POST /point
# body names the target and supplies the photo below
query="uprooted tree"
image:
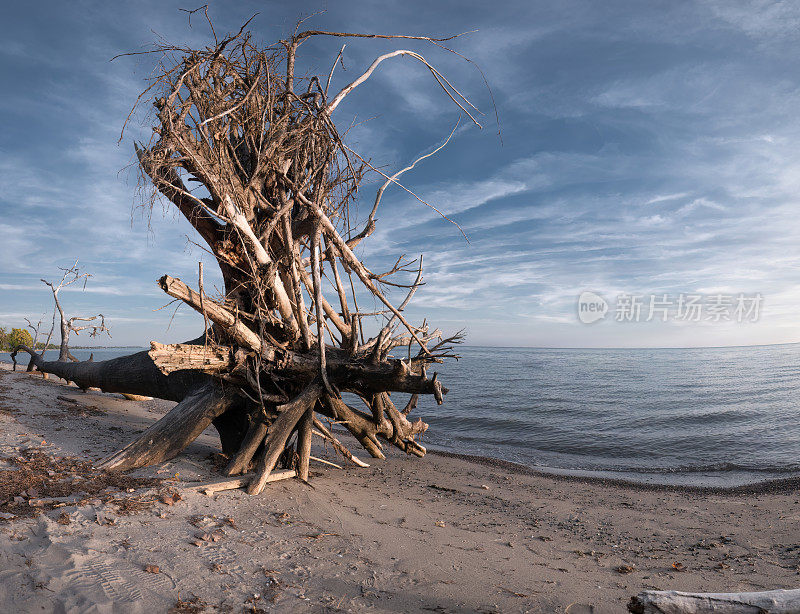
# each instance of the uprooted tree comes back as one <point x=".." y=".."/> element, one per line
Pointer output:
<point x="249" y="154"/>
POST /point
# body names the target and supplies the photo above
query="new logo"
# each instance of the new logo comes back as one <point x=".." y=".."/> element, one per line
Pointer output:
<point x="591" y="307"/>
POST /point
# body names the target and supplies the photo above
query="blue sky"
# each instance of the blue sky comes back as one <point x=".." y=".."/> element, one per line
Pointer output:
<point x="647" y="148"/>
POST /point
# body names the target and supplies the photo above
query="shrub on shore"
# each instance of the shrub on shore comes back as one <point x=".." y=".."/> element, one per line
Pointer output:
<point x="16" y="336"/>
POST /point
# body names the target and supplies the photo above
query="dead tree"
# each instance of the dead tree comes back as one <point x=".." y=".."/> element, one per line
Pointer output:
<point x="276" y="182"/>
<point x="35" y="331"/>
<point x="94" y="324"/>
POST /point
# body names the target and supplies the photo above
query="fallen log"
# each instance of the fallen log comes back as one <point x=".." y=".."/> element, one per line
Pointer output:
<point x="349" y="373"/>
<point x="189" y="357"/>
<point x="676" y="602"/>
<point x="133" y="374"/>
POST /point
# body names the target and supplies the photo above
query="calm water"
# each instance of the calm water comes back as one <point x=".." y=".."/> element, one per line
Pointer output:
<point x="703" y="416"/>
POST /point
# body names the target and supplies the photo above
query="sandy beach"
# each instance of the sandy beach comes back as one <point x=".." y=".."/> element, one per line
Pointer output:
<point x="438" y="534"/>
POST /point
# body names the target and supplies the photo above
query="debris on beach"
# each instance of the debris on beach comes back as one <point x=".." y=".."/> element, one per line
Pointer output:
<point x="37" y="482"/>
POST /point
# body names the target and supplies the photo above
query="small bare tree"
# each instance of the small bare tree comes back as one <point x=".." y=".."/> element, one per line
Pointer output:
<point x="35" y="331"/>
<point x="94" y="324"/>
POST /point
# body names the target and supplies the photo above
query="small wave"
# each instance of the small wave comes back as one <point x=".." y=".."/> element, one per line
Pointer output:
<point x="722" y="467"/>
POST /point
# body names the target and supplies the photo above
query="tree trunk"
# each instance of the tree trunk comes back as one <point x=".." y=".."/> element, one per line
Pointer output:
<point x="133" y="374"/>
<point x="304" y="443"/>
<point x="171" y="434"/>
<point x="232" y="426"/>
<point x="182" y="372"/>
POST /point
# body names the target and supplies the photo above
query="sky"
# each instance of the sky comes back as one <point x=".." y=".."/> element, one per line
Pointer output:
<point x="646" y="151"/>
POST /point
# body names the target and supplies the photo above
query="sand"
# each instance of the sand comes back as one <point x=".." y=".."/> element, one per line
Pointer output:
<point x="438" y="534"/>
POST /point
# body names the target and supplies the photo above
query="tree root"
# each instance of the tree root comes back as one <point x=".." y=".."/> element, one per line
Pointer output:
<point x="171" y="434"/>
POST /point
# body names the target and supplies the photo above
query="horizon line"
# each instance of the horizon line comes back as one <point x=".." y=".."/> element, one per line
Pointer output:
<point x="527" y="347"/>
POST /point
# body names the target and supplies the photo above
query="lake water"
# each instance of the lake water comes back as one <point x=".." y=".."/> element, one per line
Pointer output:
<point x="713" y="416"/>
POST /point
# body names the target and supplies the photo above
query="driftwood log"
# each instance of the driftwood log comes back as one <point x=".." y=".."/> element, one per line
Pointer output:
<point x="676" y="602"/>
<point x="249" y="153"/>
<point x="215" y="486"/>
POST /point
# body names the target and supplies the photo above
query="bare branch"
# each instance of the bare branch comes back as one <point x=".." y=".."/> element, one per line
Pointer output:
<point x="455" y="95"/>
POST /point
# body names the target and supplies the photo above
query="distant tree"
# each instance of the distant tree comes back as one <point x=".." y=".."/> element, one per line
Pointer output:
<point x="3" y="342"/>
<point x="18" y="337"/>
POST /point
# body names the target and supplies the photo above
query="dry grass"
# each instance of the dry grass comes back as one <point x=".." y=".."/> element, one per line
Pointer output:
<point x="37" y="481"/>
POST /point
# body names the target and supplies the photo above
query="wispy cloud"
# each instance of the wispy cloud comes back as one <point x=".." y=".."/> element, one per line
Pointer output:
<point x="646" y="148"/>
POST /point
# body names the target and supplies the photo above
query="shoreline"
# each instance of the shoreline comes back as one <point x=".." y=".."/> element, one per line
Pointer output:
<point x="768" y="486"/>
<point x="600" y="476"/>
<point x="447" y="532"/>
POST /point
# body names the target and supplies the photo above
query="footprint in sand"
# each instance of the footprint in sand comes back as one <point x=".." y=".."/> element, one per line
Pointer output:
<point x="77" y="577"/>
<point x="226" y="558"/>
<point x="118" y="581"/>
